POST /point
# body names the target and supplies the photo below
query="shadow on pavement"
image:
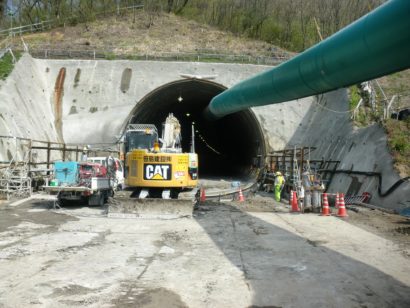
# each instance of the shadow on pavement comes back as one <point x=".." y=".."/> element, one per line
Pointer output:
<point x="286" y="270"/>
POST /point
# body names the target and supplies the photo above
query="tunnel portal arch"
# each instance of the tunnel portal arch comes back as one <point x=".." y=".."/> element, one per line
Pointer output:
<point x="232" y="146"/>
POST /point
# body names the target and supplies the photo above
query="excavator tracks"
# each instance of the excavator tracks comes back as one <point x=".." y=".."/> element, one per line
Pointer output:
<point x="124" y="206"/>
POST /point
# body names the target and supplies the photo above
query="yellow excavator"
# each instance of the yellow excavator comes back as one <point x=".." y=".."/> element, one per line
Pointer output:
<point x="160" y="180"/>
<point x="156" y="167"/>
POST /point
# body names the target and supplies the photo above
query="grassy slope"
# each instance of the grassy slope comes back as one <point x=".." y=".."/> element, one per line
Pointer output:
<point x="397" y="83"/>
<point x="168" y="33"/>
<point x="399" y="142"/>
<point x="7" y="65"/>
<point x="398" y="132"/>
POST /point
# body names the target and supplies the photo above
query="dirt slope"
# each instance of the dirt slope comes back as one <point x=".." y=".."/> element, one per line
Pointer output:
<point x="168" y="33"/>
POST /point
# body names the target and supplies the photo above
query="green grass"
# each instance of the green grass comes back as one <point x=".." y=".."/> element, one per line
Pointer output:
<point x="362" y="119"/>
<point x="365" y="115"/>
<point x="399" y="143"/>
<point x="354" y="97"/>
<point x="110" y="56"/>
<point x="7" y="65"/>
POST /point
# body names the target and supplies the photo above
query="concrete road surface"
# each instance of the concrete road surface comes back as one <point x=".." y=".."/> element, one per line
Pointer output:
<point x="223" y="257"/>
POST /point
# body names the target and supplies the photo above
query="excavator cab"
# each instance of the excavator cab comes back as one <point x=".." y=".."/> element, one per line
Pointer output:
<point x="138" y="137"/>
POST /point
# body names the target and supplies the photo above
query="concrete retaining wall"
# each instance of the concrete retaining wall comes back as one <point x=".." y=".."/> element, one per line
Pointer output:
<point x="25" y="102"/>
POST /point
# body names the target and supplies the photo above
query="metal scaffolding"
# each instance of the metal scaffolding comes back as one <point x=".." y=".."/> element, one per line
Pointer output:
<point x="14" y="179"/>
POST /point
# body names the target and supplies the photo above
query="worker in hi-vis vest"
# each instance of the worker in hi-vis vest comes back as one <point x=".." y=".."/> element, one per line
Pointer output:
<point x="279" y="183"/>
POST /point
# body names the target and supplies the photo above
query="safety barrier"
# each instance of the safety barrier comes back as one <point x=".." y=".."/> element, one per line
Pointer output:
<point x="350" y="200"/>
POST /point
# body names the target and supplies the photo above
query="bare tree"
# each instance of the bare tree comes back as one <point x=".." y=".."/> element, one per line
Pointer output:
<point x="152" y="8"/>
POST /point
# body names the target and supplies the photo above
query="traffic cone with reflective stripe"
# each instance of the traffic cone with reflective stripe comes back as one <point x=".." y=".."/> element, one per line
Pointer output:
<point x="202" y="198"/>
<point x="337" y="201"/>
<point x="342" y="209"/>
<point x="241" y="197"/>
<point x="291" y="198"/>
<point x="295" y="206"/>
<point x="325" y="208"/>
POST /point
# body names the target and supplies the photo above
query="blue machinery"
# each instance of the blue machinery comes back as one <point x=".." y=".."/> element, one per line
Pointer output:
<point x="375" y="45"/>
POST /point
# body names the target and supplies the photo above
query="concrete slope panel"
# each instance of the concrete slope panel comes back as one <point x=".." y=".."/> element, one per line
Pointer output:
<point x="25" y="107"/>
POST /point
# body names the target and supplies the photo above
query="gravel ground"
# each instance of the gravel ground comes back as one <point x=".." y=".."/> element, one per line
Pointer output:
<point x="389" y="226"/>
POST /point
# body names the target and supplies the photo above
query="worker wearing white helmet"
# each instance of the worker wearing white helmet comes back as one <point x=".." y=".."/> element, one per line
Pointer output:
<point x="279" y="183"/>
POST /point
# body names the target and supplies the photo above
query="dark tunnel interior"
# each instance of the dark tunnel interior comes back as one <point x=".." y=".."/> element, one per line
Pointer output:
<point x="228" y="147"/>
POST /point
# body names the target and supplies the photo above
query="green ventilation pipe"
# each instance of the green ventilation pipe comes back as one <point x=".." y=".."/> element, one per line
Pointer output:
<point x="375" y="45"/>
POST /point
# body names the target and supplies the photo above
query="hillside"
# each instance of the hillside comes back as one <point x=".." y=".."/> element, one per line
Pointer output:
<point x="148" y="35"/>
<point x="397" y="84"/>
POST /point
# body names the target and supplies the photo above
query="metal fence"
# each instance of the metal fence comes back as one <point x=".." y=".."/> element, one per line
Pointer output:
<point x="109" y="54"/>
<point x="41" y="154"/>
<point x="40" y="26"/>
<point x="48" y="24"/>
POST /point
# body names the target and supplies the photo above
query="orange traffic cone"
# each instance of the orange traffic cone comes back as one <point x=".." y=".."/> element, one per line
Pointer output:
<point x="291" y="198"/>
<point x="295" y="206"/>
<point x="337" y="201"/>
<point x="325" y="209"/>
<point x="202" y="198"/>
<point x="241" y="197"/>
<point x="342" y="209"/>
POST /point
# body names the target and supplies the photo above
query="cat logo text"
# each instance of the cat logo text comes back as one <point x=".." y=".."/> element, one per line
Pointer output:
<point x="160" y="172"/>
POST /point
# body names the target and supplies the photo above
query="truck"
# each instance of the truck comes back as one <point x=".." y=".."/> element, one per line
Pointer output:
<point x="80" y="181"/>
<point x="118" y="170"/>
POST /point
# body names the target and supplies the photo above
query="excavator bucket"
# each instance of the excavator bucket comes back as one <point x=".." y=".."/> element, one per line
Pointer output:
<point x="124" y="206"/>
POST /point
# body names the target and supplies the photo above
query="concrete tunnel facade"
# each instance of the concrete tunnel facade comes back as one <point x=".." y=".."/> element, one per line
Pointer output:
<point x="218" y="143"/>
<point x="90" y="102"/>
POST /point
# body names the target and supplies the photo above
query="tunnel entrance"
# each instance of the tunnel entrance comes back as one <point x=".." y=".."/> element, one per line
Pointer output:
<point x="228" y="147"/>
